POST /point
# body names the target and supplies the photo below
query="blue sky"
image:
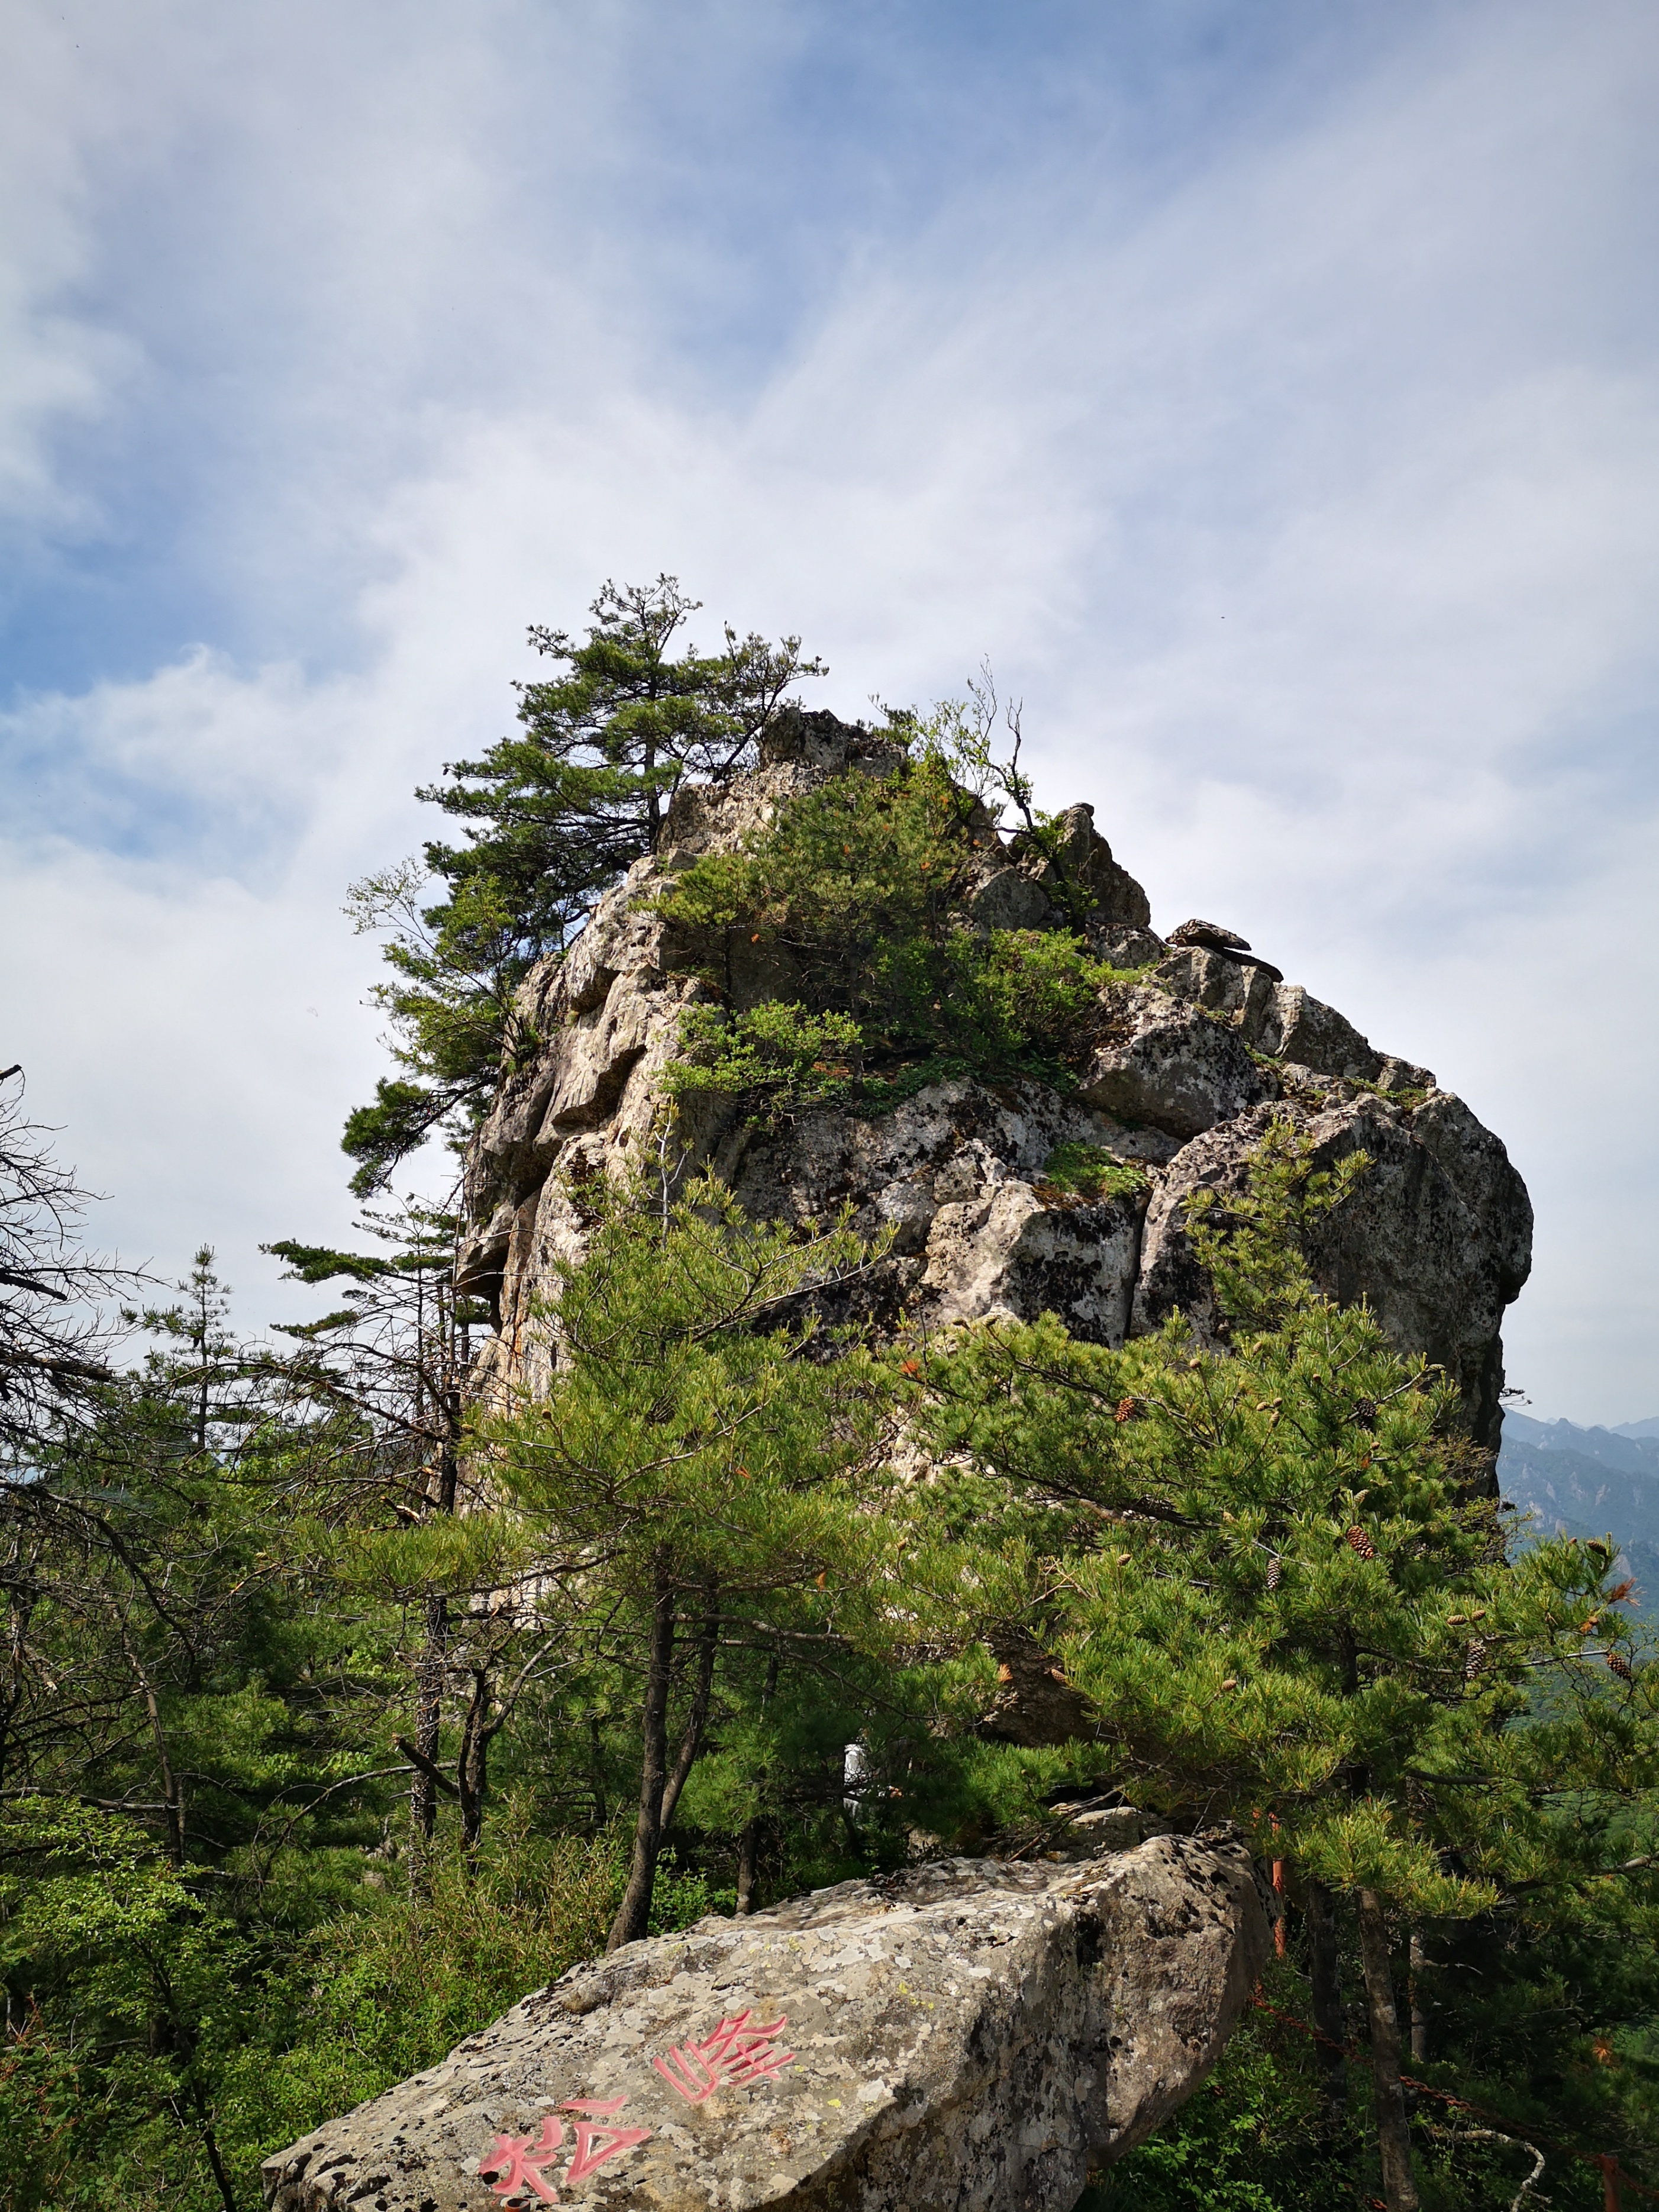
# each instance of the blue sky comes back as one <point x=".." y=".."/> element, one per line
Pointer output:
<point x="1272" y="391"/>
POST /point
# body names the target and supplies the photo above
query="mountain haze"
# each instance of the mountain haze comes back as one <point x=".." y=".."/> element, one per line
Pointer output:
<point x="1590" y="1482"/>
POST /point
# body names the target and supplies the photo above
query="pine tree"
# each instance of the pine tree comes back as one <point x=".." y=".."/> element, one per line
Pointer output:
<point x="551" y="818"/>
<point x="1275" y="1570"/>
<point x="390" y="1367"/>
<point x="696" y="1462"/>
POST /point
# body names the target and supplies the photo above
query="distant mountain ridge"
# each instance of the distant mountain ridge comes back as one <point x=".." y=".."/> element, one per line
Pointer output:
<point x="1591" y="1482"/>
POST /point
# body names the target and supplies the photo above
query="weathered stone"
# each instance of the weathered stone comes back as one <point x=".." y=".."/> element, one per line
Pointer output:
<point x="1210" y="933"/>
<point x="1299" y="1027"/>
<point x="1279" y="1019"/>
<point x="1084" y="860"/>
<point x="1121" y="946"/>
<point x="1013" y="1252"/>
<point x="823" y="746"/>
<point x="1173" y="1066"/>
<point x="1010" y="899"/>
<point x="969" y="2036"/>
<point x="958" y="1172"/>
<point x="1245" y="958"/>
<point x="481" y="1255"/>
<point x="1436" y="1237"/>
<point x="1035" y="1704"/>
<point x="1107" y="1827"/>
<point x="591" y="1059"/>
<point x="1241" y="989"/>
<point x="622" y="937"/>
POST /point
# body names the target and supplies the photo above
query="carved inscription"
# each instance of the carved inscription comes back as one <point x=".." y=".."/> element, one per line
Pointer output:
<point x="736" y="2054"/>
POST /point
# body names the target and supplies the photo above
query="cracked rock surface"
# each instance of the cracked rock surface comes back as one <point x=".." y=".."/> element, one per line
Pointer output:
<point x="969" y="2036"/>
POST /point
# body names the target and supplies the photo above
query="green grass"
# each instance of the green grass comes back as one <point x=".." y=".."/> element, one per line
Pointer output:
<point x="1091" y="1173"/>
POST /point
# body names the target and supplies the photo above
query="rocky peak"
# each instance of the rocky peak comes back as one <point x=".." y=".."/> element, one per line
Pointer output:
<point x="1186" y="1059"/>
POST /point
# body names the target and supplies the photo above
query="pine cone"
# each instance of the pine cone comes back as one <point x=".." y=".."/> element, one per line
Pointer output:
<point x="1359" y="1541"/>
<point x="1126" y="1410"/>
<point x="1275" y="1568"/>
<point x="1620" y="1666"/>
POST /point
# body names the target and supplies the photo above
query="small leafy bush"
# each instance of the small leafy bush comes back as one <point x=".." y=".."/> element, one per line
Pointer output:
<point x="1252" y="2139"/>
<point x="774" y="1060"/>
<point x="862" y="881"/>
<point x="865" y="886"/>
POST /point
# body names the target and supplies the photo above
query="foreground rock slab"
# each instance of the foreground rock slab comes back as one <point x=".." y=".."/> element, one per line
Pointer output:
<point x="973" y="2035"/>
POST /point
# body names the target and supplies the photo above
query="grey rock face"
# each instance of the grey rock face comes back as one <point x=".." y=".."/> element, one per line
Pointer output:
<point x="967" y="2037"/>
<point x="1168" y="1064"/>
<point x="1437" y="1236"/>
<point x="1120" y="946"/>
<point x="1185" y="1068"/>
<point x="959" y="1173"/>
<point x="1013" y="1252"/>
<point x="1210" y="933"/>
<point x="1281" y="1020"/>
<point x="1007" y="898"/>
<point x="1110" y="893"/>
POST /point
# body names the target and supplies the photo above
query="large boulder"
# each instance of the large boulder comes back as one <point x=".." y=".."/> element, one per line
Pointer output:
<point x="1182" y="1068"/>
<point x="969" y="2036"/>
<point x="1079" y="860"/>
<point x="1170" y="1064"/>
<point x="1436" y="1237"/>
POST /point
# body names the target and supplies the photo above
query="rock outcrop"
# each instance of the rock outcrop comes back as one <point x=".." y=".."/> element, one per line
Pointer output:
<point x="966" y="2036"/>
<point x="1187" y="1060"/>
<point x="971" y="2036"/>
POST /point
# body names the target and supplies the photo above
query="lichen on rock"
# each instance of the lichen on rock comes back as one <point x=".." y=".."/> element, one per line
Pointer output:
<point x="967" y="2036"/>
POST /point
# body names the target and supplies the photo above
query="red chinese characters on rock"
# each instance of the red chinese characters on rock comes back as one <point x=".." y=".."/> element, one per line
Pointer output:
<point x="735" y="2053"/>
<point x="517" y="2162"/>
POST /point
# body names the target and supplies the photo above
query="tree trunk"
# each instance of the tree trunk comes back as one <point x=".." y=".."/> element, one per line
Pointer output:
<point x="428" y="1713"/>
<point x="748" y="1854"/>
<point x="449" y="1458"/>
<point x="473" y="1768"/>
<point x="1419" y="1997"/>
<point x="1328" y="2019"/>
<point x="633" y="1913"/>
<point x="430" y="1668"/>
<point x="1393" y="2133"/>
<point x="210" y="2145"/>
<point x="172" y="1790"/>
<point x="698" y="1718"/>
<point x="596" y="1769"/>
<point x="749" y="1841"/>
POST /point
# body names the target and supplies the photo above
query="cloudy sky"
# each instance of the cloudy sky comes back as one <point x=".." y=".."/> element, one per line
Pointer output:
<point x="1271" y="390"/>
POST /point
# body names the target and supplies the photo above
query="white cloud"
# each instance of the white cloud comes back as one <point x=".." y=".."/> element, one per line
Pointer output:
<point x="1309" y="501"/>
